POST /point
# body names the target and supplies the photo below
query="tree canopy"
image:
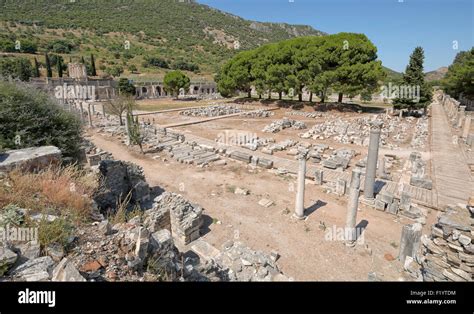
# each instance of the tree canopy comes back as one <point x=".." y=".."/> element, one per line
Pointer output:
<point x="414" y="81"/>
<point x="460" y="77"/>
<point x="345" y="62"/>
<point x="125" y="87"/>
<point x="174" y="81"/>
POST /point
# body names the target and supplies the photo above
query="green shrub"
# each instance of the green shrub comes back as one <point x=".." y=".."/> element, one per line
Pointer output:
<point x="28" y="118"/>
<point x="16" y="68"/>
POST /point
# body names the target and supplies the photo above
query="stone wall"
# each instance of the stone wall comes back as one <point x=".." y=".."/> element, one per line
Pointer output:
<point x="185" y="218"/>
<point x="120" y="181"/>
<point x="448" y="251"/>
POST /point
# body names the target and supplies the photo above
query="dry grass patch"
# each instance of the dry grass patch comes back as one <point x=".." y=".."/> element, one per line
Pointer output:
<point x="64" y="191"/>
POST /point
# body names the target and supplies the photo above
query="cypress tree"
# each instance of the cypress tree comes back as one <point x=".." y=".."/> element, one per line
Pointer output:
<point x="414" y="78"/>
<point x="93" y="71"/>
<point x="60" y="67"/>
<point x="36" y="70"/>
<point x="49" y="71"/>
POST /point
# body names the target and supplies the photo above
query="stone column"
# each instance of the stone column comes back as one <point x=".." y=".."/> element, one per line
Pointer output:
<point x="103" y="110"/>
<point x="467" y="126"/>
<point x="352" y="205"/>
<point x="318" y="177"/>
<point x="410" y="241"/>
<point x="299" y="207"/>
<point x="127" y="130"/>
<point x="462" y="115"/>
<point x="89" y="114"/>
<point x="81" y="110"/>
<point x="372" y="157"/>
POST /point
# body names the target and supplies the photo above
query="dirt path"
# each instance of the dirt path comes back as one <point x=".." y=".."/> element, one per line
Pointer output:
<point x="451" y="172"/>
<point x="305" y="252"/>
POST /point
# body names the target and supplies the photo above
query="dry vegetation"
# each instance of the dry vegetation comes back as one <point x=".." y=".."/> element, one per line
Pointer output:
<point x="61" y="191"/>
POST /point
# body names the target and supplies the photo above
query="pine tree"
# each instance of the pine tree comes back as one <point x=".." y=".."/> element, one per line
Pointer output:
<point x="49" y="71"/>
<point x="36" y="70"/>
<point x="60" y="67"/>
<point x="93" y="70"/>
<point x="414" y="79"/>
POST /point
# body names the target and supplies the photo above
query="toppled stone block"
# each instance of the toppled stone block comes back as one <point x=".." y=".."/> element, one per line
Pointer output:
<point x="265" y="202"/>
<point x="29" y="250"/>
<point x="66" y="271"/>
<point x="380" y="205"/>
<point x="278" y="125"/>
<point x="318" y="177"/>
<point x="38" y="269"/>
<point x="241" y="156"/>
<point x="161" y="241"/>
<point x="205" y="250"/>
<point x="265" y="163"/>
<point x="386" y="197"/>
<point x="30" y="159"/>
<point x="393" y="207"/>
<point x="421" y="182"/>
<point x="240" y="191"/>
<point x="7" y="259"/>
<point x="55" y="251"/>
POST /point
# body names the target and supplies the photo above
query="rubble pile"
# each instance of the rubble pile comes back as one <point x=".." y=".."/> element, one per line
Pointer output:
<point x="448" y="252"/>
<point x="305" y="114"/>
<point x="93" y="155"/>
<point x="244" y="264"/>
<point x="211" y="111"/>
<point x="340" y="158"/>
<point x="420" y="135"/>
<point x="278" y="125"/>
<point x="356" y="131"/>
<point x="283" y="145"/>
<point x="261" y="113"/>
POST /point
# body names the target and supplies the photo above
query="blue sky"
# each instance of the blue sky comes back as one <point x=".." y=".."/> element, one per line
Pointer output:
<point x="396" y="27"/>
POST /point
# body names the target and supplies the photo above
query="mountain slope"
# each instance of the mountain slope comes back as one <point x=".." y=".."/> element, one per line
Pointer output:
<point x="166" y="28"/>
<point x="392" y="75"/>
<point x="436" y="75"/>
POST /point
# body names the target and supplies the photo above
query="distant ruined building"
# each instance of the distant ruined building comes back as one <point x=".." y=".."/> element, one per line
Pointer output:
<point x="78" y="86"/>
<point x="77" y="70"/>
<point x="155" y="89"/>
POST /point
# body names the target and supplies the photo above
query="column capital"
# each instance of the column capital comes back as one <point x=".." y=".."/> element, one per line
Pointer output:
<point x="376" y="125"/>
<point x="302" y="154"/>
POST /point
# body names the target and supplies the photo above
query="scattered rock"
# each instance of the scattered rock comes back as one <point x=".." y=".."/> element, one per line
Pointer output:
<point x="65" y="271"/>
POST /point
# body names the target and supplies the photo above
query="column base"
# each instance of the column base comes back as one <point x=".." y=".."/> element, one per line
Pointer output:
<point x="299" y="217"/>
<point x="350" y="243"/>
<point x="367" y="201"/>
